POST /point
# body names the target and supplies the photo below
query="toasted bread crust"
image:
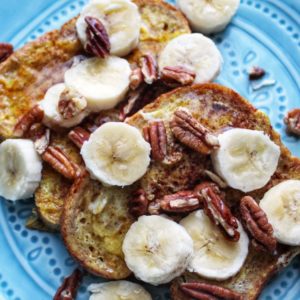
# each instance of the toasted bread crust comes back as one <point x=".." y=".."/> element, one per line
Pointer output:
<point x="216" y="107"/>
<point x="95" y="239"/>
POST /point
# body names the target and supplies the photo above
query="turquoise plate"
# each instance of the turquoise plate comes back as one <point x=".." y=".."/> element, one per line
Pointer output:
<point x="264" y="33"/>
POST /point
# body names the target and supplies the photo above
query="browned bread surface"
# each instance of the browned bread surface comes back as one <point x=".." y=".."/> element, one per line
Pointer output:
<point x="216" y="107"/>
<point x="94" y="238"/>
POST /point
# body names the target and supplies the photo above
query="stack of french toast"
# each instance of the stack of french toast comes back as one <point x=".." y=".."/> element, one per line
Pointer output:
<point x="143" y="164"/>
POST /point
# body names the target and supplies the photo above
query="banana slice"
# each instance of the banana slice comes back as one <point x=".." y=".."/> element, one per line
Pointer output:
<point x="116" y="154"/>
<point x="52" y="117"/>
<point x="282" y="207"/>
<point x="121" y="20"/>
<point x="103" y="82"/>
<point x="118" y="290"/>
<point x="214" y="256"/>
<point x="246" y="159"/>
<point x="21" y="169"/>
<point x="157" y="249"/>
<point x="208" y="16"/>
<point x="195" y="52"/>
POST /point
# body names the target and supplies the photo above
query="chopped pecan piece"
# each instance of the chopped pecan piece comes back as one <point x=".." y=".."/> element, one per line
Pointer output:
<point x="78" y="136"/>
<point x="192" y="133"/>
<point x="155" y="134"/>
<point x="181" y="202"/>
<point x="34" y="115"/>
<point x="205" y="291"/>
<point x="6" y="50"/>
<point x="174" y="76"/>
<point x="136" y="78"/>
<point x="256" y="222"/>
<point x="69" y="287"/>
<point x="94" y="121"/>
<point x="149" y="68"/>
<point x="59" y="161"/>
<point x="256" y="73"/>
<point x="98" y="43"/>
<point x="138" y="205"/>
<point x="134" y="97"/>
<point x="292" y="121"/>
<point x="41" y="137"/>
<point x="71" y="104"/>
<point x="216" y="209"/>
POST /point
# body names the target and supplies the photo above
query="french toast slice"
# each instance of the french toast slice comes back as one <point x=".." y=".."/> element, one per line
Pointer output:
<point x="94" y="222"/>
<point x="216" y="107"/>
<point x="161" y="22"/>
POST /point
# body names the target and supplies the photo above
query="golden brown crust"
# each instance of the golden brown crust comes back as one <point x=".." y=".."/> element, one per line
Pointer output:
<point x="216" y="107"/>
<point x="29" y="72"/>
<point x="94" y="238"/>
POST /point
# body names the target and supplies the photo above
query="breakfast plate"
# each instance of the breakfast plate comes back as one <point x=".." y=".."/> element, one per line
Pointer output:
<point x="263" y="33"/>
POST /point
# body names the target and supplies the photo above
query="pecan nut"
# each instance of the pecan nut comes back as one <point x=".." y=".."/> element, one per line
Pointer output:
<point x="181" y="202"/>
<point x="98" y="43"/>
<point x="292" y="121"/>
<point x="155" y="134"/>
<point x="217" y="210"/>
<point x="59" y="161"/>
<point x="256" y="222"/>
<point x="136" y="78"/>
<point x="94" y="121"/>
<point x="256" y="73"/>
<point x="135" y="97"/>
<point x="138" y="204"/>
<point x="149" y="68"/>
<point x="5" y="51"/>
<point x="69" y="287"/>
<point x="192" y="133"/>
<point x="71" y="104"/>
<point x="174" y="76"/>
<point x="40" y="136"/>
<point x="205" y="291"/>
<point x="78" y="136"/>
<point x="34" y="115"/>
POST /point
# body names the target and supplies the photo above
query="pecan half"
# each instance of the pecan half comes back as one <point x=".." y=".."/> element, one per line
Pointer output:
<point x="205" y="291"/>
<point x="138" y="204"/>
<point x="181" y="202"/>
<point x="59" y="161"/>
<point x="256" y="222"/>
<point x="6" y="50"/>
<point x="256" y="73"/>
<point x="69" y="287"/>
<point x="155" y="134"/>
<point x="149" y="68"/>
<point x="34" y="115"/>
<point x="98" y="43"/>
<point x="179" y="75"/>
<point x="216" y="209"/>
<point x="71" y="104"/>
<point x="78" y="136"/>
<point x="136" y="78"/>
<point x="292" y="121"/>
<point x="192" y="133"/>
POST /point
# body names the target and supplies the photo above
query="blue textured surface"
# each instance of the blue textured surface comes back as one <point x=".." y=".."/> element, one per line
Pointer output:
<point x="264" y="33"/>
